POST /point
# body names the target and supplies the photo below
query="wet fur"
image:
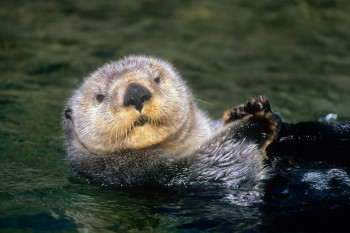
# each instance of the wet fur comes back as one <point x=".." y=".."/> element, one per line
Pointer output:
<point x="232" y="157"/>
<point x="199" y="152"/>
<point x="171" y="142"/>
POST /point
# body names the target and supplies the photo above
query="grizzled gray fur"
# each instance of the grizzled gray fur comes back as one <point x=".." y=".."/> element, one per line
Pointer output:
<point x="134" y="123"/>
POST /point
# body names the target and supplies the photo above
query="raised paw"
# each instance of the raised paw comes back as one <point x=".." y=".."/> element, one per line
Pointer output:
<point x="252" y="107"/>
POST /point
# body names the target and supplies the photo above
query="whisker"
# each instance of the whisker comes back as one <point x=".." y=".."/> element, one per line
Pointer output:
<point x="202" y="101"/>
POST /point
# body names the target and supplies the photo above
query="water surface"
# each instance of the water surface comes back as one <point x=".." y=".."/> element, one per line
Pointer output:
<point x="295" y="52"/>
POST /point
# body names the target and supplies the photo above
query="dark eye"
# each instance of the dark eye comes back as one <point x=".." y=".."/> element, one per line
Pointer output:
<point x="157" y="80"/>
<point x="100" y="98"/>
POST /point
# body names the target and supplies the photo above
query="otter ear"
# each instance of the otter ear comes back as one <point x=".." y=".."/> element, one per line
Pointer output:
<point x="68" y="113"/>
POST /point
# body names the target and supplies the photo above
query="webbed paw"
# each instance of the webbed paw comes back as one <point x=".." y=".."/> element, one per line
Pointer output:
<point x="258" y="123"/>
<point x="260" y="106"/>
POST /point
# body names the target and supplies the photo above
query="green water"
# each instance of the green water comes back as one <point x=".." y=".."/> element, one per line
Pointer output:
<point x="295" y="52"/>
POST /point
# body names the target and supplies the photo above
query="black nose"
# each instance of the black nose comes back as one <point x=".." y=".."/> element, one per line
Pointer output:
<point x="136" y="96"/>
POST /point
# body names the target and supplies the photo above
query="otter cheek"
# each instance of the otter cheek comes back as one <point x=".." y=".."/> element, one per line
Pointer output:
<point x="93" y="130"/>
<point x="93" y="140"/>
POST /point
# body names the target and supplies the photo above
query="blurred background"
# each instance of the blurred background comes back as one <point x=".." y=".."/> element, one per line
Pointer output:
<point x="297" y="52"/>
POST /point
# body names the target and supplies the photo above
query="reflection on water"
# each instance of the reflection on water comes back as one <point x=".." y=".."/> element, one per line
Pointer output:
<point x="295" y="52"/>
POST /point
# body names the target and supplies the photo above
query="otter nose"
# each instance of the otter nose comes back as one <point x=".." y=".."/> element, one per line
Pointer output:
<point x="136" y="96"/>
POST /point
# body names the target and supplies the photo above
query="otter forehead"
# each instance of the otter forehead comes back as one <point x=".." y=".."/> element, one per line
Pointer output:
<point x="114" y="78"/>
<point x="142" y="66"/>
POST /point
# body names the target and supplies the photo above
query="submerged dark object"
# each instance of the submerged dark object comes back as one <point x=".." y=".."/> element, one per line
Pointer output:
<point x="313" y="141"/>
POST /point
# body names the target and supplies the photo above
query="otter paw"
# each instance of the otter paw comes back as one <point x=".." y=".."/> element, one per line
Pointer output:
<point x="234" y="114"/>
<point x="258" y="106"/>
<point x="252" y="107"/>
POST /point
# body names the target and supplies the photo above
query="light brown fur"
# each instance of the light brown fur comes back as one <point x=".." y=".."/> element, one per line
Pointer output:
<point x="173" y="120"/>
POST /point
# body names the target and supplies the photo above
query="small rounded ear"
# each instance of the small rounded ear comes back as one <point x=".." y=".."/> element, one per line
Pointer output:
<point x="68" y="113"/>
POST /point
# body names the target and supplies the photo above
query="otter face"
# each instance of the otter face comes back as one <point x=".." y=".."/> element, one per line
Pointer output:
<point x="134" y="103"/>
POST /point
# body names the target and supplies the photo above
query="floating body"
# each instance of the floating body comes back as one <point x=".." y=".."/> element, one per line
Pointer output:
<point x="134" y="122"/>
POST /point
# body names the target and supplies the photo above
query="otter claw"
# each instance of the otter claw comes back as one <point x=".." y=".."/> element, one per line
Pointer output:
<point x="252" y="107"/>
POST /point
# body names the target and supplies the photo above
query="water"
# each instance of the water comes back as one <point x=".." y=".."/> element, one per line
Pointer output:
<point x="295" y="52"/>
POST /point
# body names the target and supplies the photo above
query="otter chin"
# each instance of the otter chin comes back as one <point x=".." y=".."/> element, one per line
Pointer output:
<point x="134" y="122"/>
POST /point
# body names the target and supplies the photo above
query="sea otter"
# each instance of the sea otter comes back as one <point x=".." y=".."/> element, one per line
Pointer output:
<point x="134" y="122"/>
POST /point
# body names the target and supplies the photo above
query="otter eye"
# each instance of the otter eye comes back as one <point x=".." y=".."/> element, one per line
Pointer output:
<point x="100" y="98"/>
<point x="157" y="80"/>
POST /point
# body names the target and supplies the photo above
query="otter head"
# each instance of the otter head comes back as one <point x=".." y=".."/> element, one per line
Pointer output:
<point x="131" y="104"/>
